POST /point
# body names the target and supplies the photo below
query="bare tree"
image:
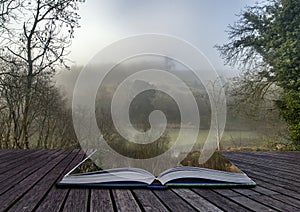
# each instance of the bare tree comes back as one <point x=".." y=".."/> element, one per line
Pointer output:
<point x="36" y="44"/>
<point x="7" y="7"/>
<point x="11" y="96"/>
<point x="51" y="123"/>
<point x="216" y="99"/>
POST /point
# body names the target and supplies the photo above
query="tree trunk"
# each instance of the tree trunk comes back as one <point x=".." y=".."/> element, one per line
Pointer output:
<point x="25" y="142"/>
<point x="28" y="92"/>
<point x="7" y="136"/>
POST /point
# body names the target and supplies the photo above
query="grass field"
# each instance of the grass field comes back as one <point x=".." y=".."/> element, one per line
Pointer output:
<point x="231" y="139"/>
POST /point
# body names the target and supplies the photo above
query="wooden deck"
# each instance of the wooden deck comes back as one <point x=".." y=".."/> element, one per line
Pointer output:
<point x="28" y="177"/>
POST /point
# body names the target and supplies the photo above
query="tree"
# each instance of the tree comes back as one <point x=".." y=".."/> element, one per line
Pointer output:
<point x="11" y="94"/>
<point x="265" y="42"/>
<point x="142" y="106"/>
<point x="52" y="126"/>
<point x="35" y="43"/>
<point x="217" y="100"/>
<point x="6" y="11"/>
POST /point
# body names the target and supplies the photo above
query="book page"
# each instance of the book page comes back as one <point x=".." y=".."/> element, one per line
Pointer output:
<point x="89" y="172"/>
<point x="194" y="173"/>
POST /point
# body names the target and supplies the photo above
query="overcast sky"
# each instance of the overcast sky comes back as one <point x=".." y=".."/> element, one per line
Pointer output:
<point x="200" y="22"/>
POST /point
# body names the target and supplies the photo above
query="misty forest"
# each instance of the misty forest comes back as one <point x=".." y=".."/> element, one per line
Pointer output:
<point x="37" y="81"/>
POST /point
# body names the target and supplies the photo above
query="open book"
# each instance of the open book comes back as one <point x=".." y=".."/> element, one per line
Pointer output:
<point x="217" y="171"/>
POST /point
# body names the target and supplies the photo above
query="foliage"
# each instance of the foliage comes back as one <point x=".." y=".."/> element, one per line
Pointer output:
<point x="142" y="106"/>
<point x="266" y="43"/>
<point x="290" y="111"/>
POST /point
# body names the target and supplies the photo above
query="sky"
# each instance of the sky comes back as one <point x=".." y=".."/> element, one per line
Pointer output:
<point x="200" y="22"/>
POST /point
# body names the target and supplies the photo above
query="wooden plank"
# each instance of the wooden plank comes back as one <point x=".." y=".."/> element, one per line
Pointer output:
<point x="11" y="196"/>
<point x="14" y="176"/>
<point x="246" y="201"/>
<point x="278" y="188"/>
<point x="252" y="192"/>
<point x="265" y="191"/>
<point x="274" y="173"/>
<point x="282" y="206"/>
<point x="291" y="153"/>
<point x="259" y="174"/>
<point x="20" y="161"/>
<point x="287" y="200"/>
<point x="55" y="198"/>
<point x="124" y="200"/>
<point x="195" y="200"/>
<point x="226" y="192"/>
<point x="10" y="153"/>
<point x="282" y="156"/>
<point x="272" y="194"/>
<point x="101" y="200"/>
<point x="273" y="163"/>
<point x="251" y="204"/>
<point x="83" y="193"/>
<point x="14" y="155"/>
<point x="31" y="199"/>
<point x="26" y="159"/>
<point x="172" y="201"/>
<point x="220" y="201"/>
<point x="67" y="202"/>
<point x="287" y="197"/>
<point x="275" y="195"/>
<point x="286" y="166"/>
<point x="4" y="152"/>
<point x="81" y="200"/>
<point x="77" y="200"/>
<point x="148" y="200"/>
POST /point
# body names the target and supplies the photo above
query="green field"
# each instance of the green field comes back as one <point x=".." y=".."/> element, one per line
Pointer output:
<point x="231" y="139"/>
